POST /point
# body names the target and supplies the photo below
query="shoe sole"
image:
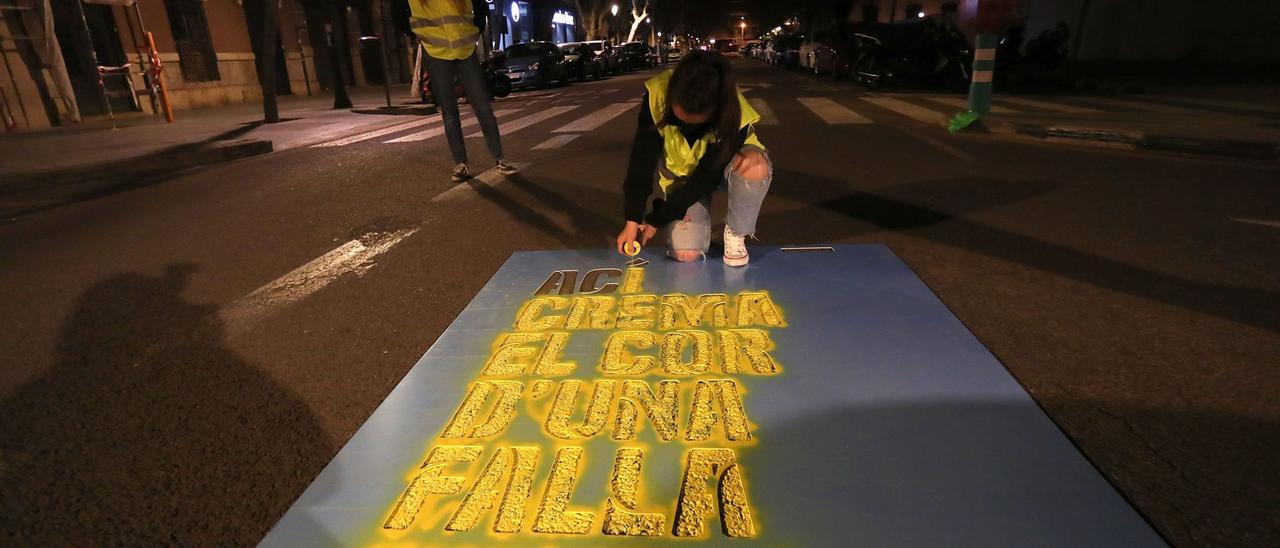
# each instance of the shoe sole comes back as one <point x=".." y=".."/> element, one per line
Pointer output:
<point x="741" y="261"/>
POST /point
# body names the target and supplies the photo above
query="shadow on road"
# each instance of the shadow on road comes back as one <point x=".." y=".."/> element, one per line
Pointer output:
<point x="586" y="222"/>
<point x="908" y="208"/>
<point x="149" y="431"/>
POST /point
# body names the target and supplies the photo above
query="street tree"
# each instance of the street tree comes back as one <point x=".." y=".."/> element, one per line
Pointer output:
<point x="639" y="12"/>
<point x="594" y="17"/>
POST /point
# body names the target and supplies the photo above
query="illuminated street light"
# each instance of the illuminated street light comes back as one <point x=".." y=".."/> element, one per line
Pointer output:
<point x="920" y="15"/>
<point x="614" y="9"/>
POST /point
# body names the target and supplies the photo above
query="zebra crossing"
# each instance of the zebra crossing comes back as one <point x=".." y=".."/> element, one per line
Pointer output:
<point x="571" y="120"/>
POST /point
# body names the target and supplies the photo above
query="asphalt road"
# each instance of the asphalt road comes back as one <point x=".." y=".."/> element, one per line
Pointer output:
<point x="156" y="387"/>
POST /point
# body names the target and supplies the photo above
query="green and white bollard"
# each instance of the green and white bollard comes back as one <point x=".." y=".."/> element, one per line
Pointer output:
<point x="984" y="69"/>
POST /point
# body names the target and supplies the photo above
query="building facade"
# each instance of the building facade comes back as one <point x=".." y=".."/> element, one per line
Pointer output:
<point x="209" y="48"/>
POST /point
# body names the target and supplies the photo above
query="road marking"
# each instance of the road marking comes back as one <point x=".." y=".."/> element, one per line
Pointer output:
<point x="1236" y="105"/>
<point x="964" y="104"/>
<point x="1141" y="106"/>
<point x="379" y="132"/>
<point x="521" y="123"/>
<point x="832" y="112"/>
<point x="557" y="141"/>
<point x="1259" y="222"/>
<point x="766" y="114"/>
<point x="356" y="256"/>
<point x="607" y="91"/>
<point x="595" y="119"/>
<point x="1046" y="105"/>
<point x="467" y="121"/>
<point x="935" y="143"/>
<point x="909" y="110"/>
<point x="488" y="178"/>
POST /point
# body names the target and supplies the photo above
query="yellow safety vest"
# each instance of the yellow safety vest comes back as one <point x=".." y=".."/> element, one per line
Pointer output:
<point x="446" y="31"/>
<point x="679" y="158"/>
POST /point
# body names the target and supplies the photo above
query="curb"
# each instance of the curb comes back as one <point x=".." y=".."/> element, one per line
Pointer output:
<point x="1136" y="140"/>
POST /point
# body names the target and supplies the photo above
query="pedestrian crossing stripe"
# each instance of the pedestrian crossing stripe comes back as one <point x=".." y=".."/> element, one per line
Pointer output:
<point x="595" y="119"/>
<point x="910" y="110"/>
<point x="963" y="104"/>
<point x="929" y="109"/>
<point x="766" y="114"/>
<point x="1046" y="105"/>
<point x="832" y="112"/>
<point x="521" y="123"/>
<point x="557" y="141"/>
<point x="380" y="132"/>
<point x="436" y="131"/>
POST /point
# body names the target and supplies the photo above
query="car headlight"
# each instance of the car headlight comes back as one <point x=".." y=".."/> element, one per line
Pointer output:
<point x="534" y="65"/>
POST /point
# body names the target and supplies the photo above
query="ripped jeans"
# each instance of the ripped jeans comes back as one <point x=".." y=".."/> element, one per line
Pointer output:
<point x="745" y="199"/>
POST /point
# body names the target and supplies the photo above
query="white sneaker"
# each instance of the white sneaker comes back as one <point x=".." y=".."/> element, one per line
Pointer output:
<point x="735" y="248"/>
<point x="460" y="173"/>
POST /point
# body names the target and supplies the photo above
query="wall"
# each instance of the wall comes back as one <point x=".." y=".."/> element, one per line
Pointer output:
<point x="1167" y="30"/>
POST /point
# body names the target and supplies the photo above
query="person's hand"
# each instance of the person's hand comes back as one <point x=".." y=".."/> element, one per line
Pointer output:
<point x="751" y="164"/>
<point x="634" y="231"/>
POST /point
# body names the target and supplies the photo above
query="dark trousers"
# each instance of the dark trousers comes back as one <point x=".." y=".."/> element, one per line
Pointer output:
<point x="442" y="74"/>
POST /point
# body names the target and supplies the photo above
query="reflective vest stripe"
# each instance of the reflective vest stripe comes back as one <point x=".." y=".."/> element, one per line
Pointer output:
<point x="666" y="172"/>
<point x="446" y="43"/>
<point x="420" y="22"/>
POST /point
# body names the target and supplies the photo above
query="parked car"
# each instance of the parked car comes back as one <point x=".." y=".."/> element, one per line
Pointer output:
<point x="673" y="54"/>
<point x="606" y="53"/>
<point x="536" y="64"/>
<point x="582" y="61"/>
<point x="786" y="51"/>
<point x="637" y="55"/>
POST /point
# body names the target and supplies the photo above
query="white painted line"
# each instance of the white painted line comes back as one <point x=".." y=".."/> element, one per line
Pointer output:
<point x="964" y="104"/>
<point x="1226" y="104"/>
<point x="380" y="132"/>
<point x="832" y="112"/>
<point x="1141" y="106"/>
<point x="595" y="119"/>
<point x="1046" y="105"/>
<point x="1259" y="222"/>
<point x="607" y="91"/>
<point x="355" y="256"/>
<point x="488" y="178"/>
<point x="521" y="123"/>
<point x="557" y="141"/>
<point x="909" y="110"/>
<point x="766" y="114"/>
<point x="467" y="121"/>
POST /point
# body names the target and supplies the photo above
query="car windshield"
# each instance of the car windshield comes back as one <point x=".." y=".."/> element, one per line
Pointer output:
<point x="526" y="50"/>
<point x="568" y="49"/>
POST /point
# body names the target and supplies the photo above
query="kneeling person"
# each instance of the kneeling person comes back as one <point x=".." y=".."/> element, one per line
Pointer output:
<point x="697" y="131"/>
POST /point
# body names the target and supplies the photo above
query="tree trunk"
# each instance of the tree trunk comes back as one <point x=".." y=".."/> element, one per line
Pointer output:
<point x="338" y="52"/>
<point x="267" y="75"/>
<point x="638" y="15"/>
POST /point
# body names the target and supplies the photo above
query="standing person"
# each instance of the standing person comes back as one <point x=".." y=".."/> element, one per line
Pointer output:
<point x="696" y="130"/>
<point x="450" y="29"/>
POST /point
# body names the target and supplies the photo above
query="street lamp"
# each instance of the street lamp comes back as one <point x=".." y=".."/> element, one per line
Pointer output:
<point x="614" y="10"/>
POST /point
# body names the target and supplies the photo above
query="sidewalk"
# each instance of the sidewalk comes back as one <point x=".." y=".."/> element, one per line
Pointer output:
<point x="1237" y="121"/>
<point x="57" y="164"/>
